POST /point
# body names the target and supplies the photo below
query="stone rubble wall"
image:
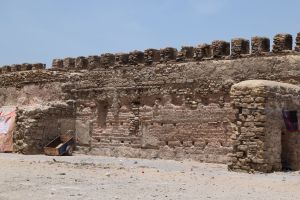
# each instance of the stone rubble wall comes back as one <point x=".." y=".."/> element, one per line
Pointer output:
<point x="258" y="124"/>
<point x="36" y="126"/>
<point x="165" y="103"/>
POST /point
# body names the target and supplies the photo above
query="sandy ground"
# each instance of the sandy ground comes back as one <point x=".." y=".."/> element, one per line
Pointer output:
<point x="87" y="177"/>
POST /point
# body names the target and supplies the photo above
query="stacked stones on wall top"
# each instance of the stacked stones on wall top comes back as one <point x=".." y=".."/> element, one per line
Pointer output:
<point x="21" y="67"/>
<point x="282" y="42"/>
<point x="219" y="49"/>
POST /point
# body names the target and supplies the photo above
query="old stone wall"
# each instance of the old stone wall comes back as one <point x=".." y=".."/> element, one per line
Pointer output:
<point x="157" y="103"/>
<point x="258" y="127"/>
<point x="38" y="125"/>
<point x="158" y="127"/>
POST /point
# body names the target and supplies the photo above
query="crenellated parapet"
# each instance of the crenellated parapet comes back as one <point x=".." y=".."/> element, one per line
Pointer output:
<point x="218" y="49"/>
<point x="21" y="67"/>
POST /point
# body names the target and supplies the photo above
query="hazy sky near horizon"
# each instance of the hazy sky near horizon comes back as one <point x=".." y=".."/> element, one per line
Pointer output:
<point x="40" y="30"/>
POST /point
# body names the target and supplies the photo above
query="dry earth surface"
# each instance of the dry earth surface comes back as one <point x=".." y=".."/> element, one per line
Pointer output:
<point x="88" y="177"/>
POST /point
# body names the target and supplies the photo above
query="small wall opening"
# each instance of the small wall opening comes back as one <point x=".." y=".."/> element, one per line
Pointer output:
<point x="102" y="109"/>
<point x="290" y="138"/>
<point x="290" y="119"/>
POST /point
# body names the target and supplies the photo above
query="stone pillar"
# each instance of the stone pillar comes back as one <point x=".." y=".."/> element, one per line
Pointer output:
<point x="168" y="54"/>
<point x="81" y="63"/>
<point x="186" y="52"/>
<point x="202" y="51"/>
<point x="57" y="63"/>
<point x="69" y="63"/>
<point x="297" y="48"/>
<point x="220" y="48"/>
<point x="151" y="56"/>
<point x="282" y="42"/>
<point x="260" y="45"/>
<point x="239" y="46"/>
<point x="136" y="57"/>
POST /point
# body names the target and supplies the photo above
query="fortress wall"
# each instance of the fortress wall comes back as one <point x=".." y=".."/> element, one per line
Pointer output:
<point x="176" y="111"/>
<point x="167" y="110"/>
<point x="157" y="103"/>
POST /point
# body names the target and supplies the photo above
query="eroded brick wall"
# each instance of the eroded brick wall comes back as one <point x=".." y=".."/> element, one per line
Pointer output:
<point x="38" y="125"/>
<point x="161" y="127"/>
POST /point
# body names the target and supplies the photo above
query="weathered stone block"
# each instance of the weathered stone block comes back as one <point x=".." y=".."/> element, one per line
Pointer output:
<point x="187" y="143"/>
<point x="260" y="45"/>
<point x="239" y="154"/>
<point x="282" y="42"/>
<point x="168" y="54"/>
<point x="239" y="46"/>
<point x="202" y="51"/>
<point x="57" y="63"/>
<point x="186" y="52"/>
<point x="174" y="144"/>
<point x="151" y="56"/>
<point x="93" y="62"/>
<point x="220" y="48"/>
<point x="122" y="58"/>
<point x="200" y="144"/>
<point x="107" y="59"/>
<point x="81" y="63"/>
<point x="69" y="63"/>
<point x="136" y="57"/>
<point x="37" y="66"/>
<point x="26" y="66"/>
<point x="297" y="47"/>
<point x="258" y="160"/>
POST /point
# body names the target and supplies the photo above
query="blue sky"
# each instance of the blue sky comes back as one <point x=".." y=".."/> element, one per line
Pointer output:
<point x="40" y="30"/>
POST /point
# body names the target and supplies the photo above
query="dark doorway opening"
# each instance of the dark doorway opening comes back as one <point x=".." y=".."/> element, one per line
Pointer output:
<point x="289" y="141"/>
<point x="290" y="119"/>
